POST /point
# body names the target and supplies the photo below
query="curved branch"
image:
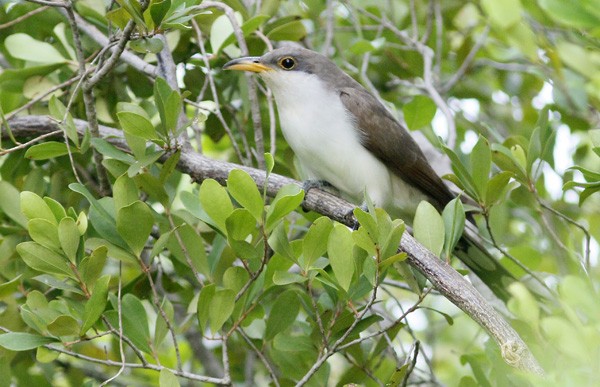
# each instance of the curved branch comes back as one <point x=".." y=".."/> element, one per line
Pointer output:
<point x="443" y="277"/>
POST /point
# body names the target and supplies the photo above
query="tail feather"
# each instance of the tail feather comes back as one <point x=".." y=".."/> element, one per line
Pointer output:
<point x="477" y="258"/>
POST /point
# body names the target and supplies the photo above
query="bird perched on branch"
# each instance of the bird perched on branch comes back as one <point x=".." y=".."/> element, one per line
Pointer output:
<point x="342" y="135"/>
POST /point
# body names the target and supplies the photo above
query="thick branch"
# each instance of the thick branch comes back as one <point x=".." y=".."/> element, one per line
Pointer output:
<point x="445" y="279"/>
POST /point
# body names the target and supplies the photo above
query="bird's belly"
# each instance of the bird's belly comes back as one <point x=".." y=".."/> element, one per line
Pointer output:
<point x="331" y="151"/>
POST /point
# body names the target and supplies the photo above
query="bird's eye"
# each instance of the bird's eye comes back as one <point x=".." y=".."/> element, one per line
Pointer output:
<point x="287" y="63"/>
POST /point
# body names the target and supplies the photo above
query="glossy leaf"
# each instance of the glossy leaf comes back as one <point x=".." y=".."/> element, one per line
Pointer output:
<point x="134" y="223"/>
<point x="428" y="228"/>
<point x="243" y="189"/>
<point x="34" y="207"/>
<point x="21" y="341"/>
<point x="341" y="258"/>
<point x="419" y="112"/>
<point x="283" y="314"/>
<point x="287" y="200"/>
<point x="454" y="224"/>
<point x="68" y="234"/>
<point x="314" y="244"/>
<point x="43" y="259"/>
<point x="94" y="307"/>
<point x="215" y="203"/>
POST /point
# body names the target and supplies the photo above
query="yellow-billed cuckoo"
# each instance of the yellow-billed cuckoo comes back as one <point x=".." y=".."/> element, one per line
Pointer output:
<point x="343" y="135"/>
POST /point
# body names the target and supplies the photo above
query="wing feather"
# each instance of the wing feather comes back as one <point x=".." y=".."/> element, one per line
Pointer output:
<point x="391" y="143"/>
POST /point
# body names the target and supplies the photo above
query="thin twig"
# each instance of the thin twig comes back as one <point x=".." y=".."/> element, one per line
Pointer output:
<point x="183" y="247"/>
<point x="413" y="362"/>
<point x="120" y="316"/>
<point x="467" y="62"/>
<point x="251" y="81"/>
<point x="511" y="257"/>
<point x="24" y="17"/>
<point x="329" y="23"/>
<point x="337" y="346"/>
<point x="59" y="4"/>
<point x="588" y="237"/>
<point x="213" y="89"/>
<point x="30" y="142"/>
<point x="260" y="355"/>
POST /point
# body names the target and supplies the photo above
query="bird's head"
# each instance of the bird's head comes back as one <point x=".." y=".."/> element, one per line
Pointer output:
<point x="290" y="66"/>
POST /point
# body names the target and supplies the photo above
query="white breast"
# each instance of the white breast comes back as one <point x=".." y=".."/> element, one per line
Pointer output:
<point x="321" y="132"/>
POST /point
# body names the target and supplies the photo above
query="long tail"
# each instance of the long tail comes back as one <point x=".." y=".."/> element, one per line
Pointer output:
<point x="477" y="258"/>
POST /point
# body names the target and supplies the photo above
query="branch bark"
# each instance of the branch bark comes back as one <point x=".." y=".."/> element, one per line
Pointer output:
<point x="445" y="279"/>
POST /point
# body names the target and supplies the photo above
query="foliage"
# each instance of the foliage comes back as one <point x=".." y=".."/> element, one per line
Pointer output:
<point x="116" y="265"/>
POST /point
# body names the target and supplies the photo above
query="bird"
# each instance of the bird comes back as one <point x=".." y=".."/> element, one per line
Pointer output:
<point x="344" y="136"/>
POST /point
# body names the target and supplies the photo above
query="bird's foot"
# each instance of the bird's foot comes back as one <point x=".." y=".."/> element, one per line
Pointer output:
<point x="307" y="185"/>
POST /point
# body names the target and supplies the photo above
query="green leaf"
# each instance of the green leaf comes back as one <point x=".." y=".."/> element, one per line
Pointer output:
<point x="243" y="189"/>
<point x="504" y="13"/>
<point x="205" y="299"/>
<point x="419" y="112"/>
<point x="95" y="305"/>
<point x="221" y="308"/>
<point x="144" y="161"/>
<point x="314" y="244"/>
<point x="161" y="329"/>
<point x="506" y="160"/>
<point x="134" y="9"/>
<point x="10" y="203"/>
<point x="158" y="10"/>
<point x="389" y="246"/>
<point x="64" y="325"/>
<point x="125" y="192"/>
<point x="147" y="45"/>
<point x="481" y="165"/>
<point x="428" y="228"/>
<point x="283" y="314"/>
<point x="287" y="200"/>
<point x="454" y="222"/>
<point x="43" y="259"/>
<point x="91" y="266"/>
<point x="466" y="180"/>
<point x="341" y="258"/>
<point x="367" y="220"/>
<point x="216" y="203"/>
<point x="44" y="232"/>
<point x="21" y="341"/>
<point x="278" y="240"/>
<point x="247" y="28"/>
<point x="68" y="234"/>
<point x="497" y="187"/>
<point x="23" y="46"/>
<point x="109" y="150"/>
<point x="7" y="289"/>
<point x="214" y="307"/>
<point x="136" y="125"/>
<point x="240" y="224"/>
<point x="135" y="321"/>
<point x="282" y="278"/>
<point x="168" y="104"/>
<point x="134" y="223"/>
<point x="63" y="118"/>
<point x="293" y="31"/>
<point x="169" y="166"/>
<point x="167" y="379"/>
<point x="34" y="206"/>
<point x="195" y="249"/>
<point x="574" y="14"/>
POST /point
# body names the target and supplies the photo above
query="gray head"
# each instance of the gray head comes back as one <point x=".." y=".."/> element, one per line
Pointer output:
<point x="284" y="64"/>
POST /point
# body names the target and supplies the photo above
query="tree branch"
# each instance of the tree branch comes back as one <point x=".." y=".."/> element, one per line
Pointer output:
<point x="443" y="277"/>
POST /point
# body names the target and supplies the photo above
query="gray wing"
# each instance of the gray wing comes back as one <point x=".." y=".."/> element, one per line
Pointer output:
<point x="391" y="143"/>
